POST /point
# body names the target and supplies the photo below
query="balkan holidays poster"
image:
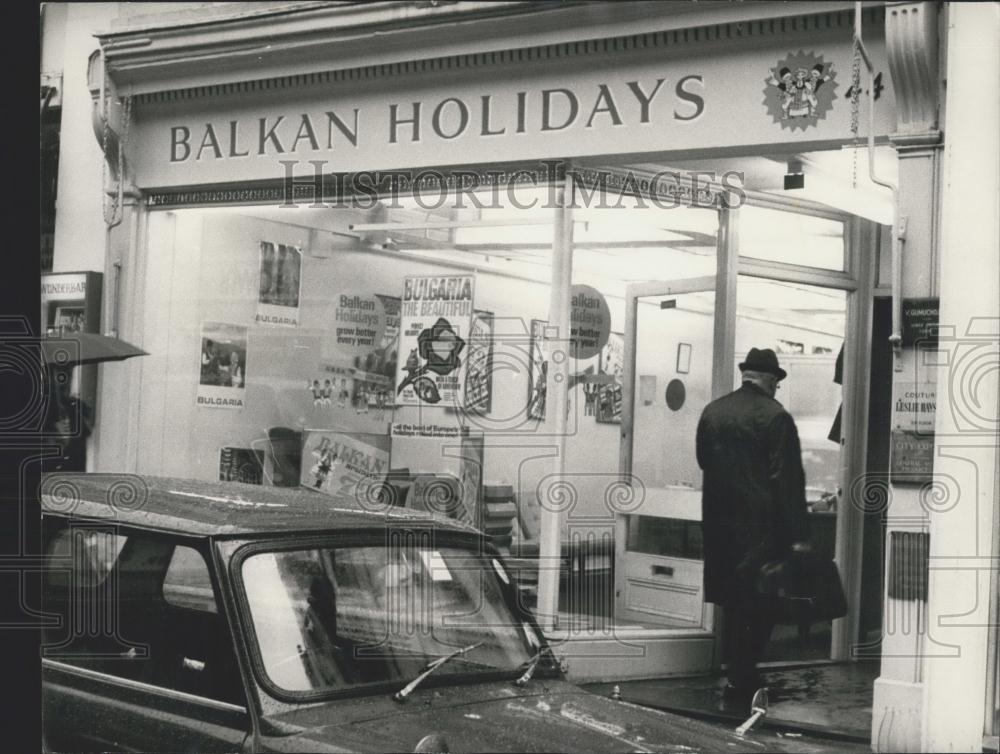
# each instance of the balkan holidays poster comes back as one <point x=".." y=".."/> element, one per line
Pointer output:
<point x="435" y="323"/>
<point x="280" y="281"/>
<point x="223" y="373"/>
<point x="352" y="385"/>
<point x="342" y="463"/>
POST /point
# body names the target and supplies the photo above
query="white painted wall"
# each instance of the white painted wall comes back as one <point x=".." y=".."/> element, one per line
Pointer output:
<point x="79" y="235"/>
<point x="966" y="439"/>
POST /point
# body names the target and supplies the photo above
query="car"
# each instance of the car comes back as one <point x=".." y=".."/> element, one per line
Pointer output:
<point x="219" y="616"/>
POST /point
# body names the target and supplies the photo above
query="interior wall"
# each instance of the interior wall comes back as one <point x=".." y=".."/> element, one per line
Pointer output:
<point x="203" y="267"/>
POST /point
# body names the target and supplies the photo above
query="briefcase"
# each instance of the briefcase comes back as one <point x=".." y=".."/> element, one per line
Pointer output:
<point x="802" y="588"/>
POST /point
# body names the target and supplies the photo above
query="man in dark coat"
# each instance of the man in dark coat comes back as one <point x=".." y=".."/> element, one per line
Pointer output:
<point x="753" y="507"/>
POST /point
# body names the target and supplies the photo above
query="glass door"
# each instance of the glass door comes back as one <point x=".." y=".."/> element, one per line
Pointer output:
<point x="673" y="348"/>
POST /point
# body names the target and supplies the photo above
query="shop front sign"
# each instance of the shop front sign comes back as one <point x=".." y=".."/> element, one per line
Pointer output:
<point x="572" y="107"/>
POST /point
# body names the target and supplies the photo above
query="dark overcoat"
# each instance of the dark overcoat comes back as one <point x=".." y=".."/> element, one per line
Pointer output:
<point x="753" y="496"/>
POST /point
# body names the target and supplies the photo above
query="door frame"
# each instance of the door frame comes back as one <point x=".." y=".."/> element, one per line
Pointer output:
<point x="633" y="293"/>
<point x="858" y="281"/>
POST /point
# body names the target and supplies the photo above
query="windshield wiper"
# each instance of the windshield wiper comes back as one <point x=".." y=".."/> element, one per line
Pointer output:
<point x="404" y="692"/>
<point x="532" y="663"/>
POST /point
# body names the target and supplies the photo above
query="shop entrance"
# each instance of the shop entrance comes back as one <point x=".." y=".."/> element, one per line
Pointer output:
<point x="683" y="340"/>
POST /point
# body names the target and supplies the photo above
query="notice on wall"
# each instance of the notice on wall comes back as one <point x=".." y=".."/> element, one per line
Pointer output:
<point x="280" y="284"/>
<point x="222" y="377"/>
<point x="244" y="465"/>
<point x="479" y="364"/>
<point x="341" y="463"/>
<point x="426" y="430"/>
<point x="920" y="321"/>
<point x="911" y="457"/>
<point x="435" y="324"/>
<point x="913" y="407"/>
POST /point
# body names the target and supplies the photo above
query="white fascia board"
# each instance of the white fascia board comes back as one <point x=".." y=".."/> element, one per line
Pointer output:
<point x="320" y="37"/>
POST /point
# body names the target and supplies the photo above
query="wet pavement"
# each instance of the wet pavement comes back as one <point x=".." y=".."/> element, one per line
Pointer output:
<point x="827" y="705"/>
<point x="761" y="738"/>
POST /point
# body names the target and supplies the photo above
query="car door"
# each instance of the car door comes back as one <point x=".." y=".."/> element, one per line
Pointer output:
<point x="140" y="658"/>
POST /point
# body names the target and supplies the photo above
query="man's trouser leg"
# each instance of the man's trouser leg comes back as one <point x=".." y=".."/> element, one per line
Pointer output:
<point x="747" y="633"/>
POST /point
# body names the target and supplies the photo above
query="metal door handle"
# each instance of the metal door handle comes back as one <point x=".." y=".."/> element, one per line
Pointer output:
<point x="659" y="570"/>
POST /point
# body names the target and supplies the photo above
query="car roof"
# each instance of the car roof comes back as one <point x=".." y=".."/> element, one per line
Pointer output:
<point x="199" y="508"/>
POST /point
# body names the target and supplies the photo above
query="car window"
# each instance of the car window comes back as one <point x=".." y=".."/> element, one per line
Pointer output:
<point x="326" y="619"/>
<point x="187" y="583"/>
<point x="138" y="607"/>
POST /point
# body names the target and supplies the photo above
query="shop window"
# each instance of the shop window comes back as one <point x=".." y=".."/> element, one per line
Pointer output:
<point x="275" y="346"/>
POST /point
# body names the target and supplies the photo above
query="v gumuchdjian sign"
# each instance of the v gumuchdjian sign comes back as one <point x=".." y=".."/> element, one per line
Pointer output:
<point x="784" y="88"/>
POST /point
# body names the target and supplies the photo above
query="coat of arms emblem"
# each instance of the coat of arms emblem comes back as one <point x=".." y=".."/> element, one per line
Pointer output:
<point x="799" y="91"/>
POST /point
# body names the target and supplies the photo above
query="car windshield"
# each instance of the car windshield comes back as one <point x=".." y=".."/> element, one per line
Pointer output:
<point x="330" y="618"/>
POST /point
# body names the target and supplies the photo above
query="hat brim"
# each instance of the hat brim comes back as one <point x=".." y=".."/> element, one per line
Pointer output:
<point x="779" y="372"/>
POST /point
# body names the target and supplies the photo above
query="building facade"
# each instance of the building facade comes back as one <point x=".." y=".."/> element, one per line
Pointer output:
<point x="606" y="205"/>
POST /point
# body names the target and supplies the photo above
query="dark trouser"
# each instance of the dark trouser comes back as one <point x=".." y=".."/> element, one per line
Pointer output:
<point x="747" y="630"/>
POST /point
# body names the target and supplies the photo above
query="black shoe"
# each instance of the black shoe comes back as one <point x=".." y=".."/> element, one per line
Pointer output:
<point x="737" y="699"/>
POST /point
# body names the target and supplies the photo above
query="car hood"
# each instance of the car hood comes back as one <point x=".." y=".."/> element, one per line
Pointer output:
<point x="556" y="716"/>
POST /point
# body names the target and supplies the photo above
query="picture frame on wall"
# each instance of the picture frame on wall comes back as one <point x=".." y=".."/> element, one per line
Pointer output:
<point x="280" y="284"/>
<point x="683" y="358"/>
<point x="608" y="409"/>
<point x="538" y="366"/>
<point x="479" y="364"/>
<point x="70" y="319"/>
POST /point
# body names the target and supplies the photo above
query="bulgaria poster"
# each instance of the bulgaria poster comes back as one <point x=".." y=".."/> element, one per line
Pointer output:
<point x="223" y="374"/>
<point x="280" y="279"/>
<point x="342" y="463"/>
<point x="435" y="322"/>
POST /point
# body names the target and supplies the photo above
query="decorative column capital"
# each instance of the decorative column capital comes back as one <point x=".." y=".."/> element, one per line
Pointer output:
<point x="911" y="35"/>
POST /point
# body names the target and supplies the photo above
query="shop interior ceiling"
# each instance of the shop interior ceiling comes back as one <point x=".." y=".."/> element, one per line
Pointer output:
<point x="518" y="241"/>
<point x="837" y="178"/>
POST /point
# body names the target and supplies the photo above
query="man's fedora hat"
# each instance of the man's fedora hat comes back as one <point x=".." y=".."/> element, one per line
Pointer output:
<point x="763" y="360"/>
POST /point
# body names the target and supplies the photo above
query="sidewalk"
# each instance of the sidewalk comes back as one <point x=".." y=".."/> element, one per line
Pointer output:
<point x="819" y="707"/>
